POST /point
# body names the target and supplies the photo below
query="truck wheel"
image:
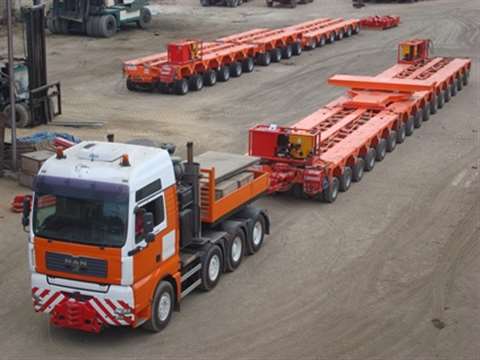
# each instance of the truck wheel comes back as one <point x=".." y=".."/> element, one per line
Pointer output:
<point x="145" y="19"/>
<point x="358" y="170"/>
<point x="255" y="241"/>
<point x="433" y="105"/>
<point x="381" y="150"/>
<point x="459" y="84"/>
<point x="346" y="179"/>
<point x="212" y="265"/>
<point x="22" y="115"/>
<point x="196" y="82"/>
<point x="453" y="89"/>
<point x="162" y="307"/>
<point x="210" y="77"/>
<point x="401" y="134"/>
<point x="297" y="48"/>
<point x="180" y="86"/>
<point x="440" y="100"/>
<point x="235" y="250"/>
<point x="332" y="37"/>
<point x="417" y="119"/>
<point x="446" y="95"/>
<point x="235" y="69"/>
<point x="287" y="52"/>
<point x="276" y="54"/>
<point x="264" y="59"/>
<point x="223" y="73"/>
<point x="248" y="65"/>
<point x="426" y="113"/>
<point x="392" y="141"/>
<point x="293" y="4"/>
<point x="107" y="26"/>
<point x="370" y="159"/>
<point x="330" y="194"/>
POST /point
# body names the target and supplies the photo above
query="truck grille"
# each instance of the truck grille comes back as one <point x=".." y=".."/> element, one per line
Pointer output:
<point x="76" y="265"/>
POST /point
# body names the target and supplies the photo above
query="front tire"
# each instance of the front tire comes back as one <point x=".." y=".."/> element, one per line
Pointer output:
<point x="162" y="307"/>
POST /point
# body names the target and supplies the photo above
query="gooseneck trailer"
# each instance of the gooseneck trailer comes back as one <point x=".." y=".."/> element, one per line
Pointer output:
<point x="323" y="153"/>
<point x="120" y="233"/>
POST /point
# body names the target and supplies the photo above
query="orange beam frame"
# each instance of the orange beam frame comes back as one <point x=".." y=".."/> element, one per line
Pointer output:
<point x="381" y="84"/>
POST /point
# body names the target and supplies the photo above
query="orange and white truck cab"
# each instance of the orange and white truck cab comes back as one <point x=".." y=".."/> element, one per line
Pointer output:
<point x="119" y="233"/>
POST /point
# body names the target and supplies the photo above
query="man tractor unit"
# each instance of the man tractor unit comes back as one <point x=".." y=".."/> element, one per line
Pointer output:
<point x="120" y="233"/>
<point x="97" y="18"/>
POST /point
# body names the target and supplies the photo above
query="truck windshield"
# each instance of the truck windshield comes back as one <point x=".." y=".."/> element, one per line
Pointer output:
<point x="80" y="211"/>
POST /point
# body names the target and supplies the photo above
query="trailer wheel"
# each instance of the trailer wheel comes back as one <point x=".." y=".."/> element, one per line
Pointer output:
<point x="453" y="89"/>
<point x="210" y="77"/>
<point x="248" y="65"/>
<point x="459" y="84"/>
<point x="162" y="307"/>
<point x="22" y="115"/>
<point x="287" y="52"/>
<point x="145" y="18"/>
<point x="391" y="141"/>
<point x="196" y="82"/>
<point x="212" y="265"/>
<point x="332" y="37"/>
<point x="356" y="30"/>
<point x="235" y="250"/>
<point x="340" y="34"/>
<point x="465" y="77"/>
<point x="410" y="125"/>
<point x="349" y="32"/>
<point x="440" y="100"/>
<point x="381" y="150"/>
<point x="417" y="119"/>
<point x="358" y="170"/>
<point x="370" y="159"/>
<point x="293" y="4"/>
<point x="276" y="55"/>
<point x="223" y="74"/>
<point x="107" y="26"/>
<point x="235" y="69"/>
<point x="255" y="240"/>
<point x="264" y="59"/>
<point x="401" y="134"/>
<point x="330" y="194"/>
<point x="180" y="86"/>
<point x="433" y="105"/>
<point x="346" y="179"/>
<point x="322" y="41"/>
<point x="426" y="113"/>
<point x="297" y="48"/>
<point x="313" y="44"/>
<point x="446" y="95"/>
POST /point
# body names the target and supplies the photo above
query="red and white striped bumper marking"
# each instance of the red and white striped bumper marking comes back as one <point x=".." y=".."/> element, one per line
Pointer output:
<point x="45" y="300"/>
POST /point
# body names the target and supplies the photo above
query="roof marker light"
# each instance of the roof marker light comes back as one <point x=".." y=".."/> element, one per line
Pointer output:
<point x="125" y="161"/>
<point x="59" y="152"/>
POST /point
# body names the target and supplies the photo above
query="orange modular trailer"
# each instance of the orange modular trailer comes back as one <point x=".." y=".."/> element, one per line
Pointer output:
<point x="323" y="153"/>
<point x="189" y="65"/>
<point x="147" y="230"/>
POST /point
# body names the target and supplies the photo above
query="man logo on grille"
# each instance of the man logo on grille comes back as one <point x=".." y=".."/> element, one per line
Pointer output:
<point x="75" y="264"/>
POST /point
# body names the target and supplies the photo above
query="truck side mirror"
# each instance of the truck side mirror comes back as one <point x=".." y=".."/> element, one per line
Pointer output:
<point x="27" y="204"/>
<point x="148" y="227"/>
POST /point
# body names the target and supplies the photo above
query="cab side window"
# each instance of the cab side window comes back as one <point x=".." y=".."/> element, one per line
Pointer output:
<point x="156" y="207"/>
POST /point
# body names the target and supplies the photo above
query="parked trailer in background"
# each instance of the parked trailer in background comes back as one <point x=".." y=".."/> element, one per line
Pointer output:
<point x="121" y="233"/>
<point x="291" y="3"/>
<point x="323" y="153"/>
<point x="191" y="64"/>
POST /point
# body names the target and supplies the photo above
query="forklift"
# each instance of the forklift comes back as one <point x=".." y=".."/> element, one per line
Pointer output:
<point x="97" y="18"/>
<point x="36" y="101"/>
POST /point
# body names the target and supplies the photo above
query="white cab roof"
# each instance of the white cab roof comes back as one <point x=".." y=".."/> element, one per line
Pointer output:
<point x="100" y="161"/>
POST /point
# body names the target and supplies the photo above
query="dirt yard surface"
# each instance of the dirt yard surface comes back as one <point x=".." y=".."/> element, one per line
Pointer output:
<point x="390" y="271"/>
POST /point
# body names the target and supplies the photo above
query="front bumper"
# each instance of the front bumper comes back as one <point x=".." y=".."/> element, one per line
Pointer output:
<point x="82" y="306"/>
